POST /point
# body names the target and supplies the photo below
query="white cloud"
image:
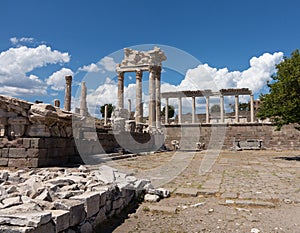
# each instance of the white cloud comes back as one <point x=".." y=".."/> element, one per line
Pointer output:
<point x="57" y="79"/>
<point x="17" y="41"/>
<point x="108" y="64"/>
<point x="16" y="65"/>
<point x="90" y="68"/>
<point x="200" y="78"/>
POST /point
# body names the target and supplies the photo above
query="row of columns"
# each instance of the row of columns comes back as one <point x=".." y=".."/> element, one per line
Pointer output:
<point x="154" y="95"/>
<point x="207" y="118"/>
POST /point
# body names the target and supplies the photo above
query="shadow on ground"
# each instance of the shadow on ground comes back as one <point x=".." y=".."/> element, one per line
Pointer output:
<point x="294" y="158"/>
<point x="111" y="224"/>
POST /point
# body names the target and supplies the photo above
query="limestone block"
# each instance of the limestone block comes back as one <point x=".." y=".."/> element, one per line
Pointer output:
<point x="16" y="229"/>
<point x="48" y="227"/>
<point x="12" y="162"/>
<point x="38" y="130"/>
<point x="100" y="217"/>
<point x="17" y="125"/>
<point x="44" y="110"/>
<point x="61" y="219"/>
<point x="103" y="197"/>
<point x="106" y="174"/>
<point x="86" y="228"/>
<point x="30" y="219"/>
<point x="3" y="162"/>
<point x="17" y="153"/>
<point x="4" y="152"/>
<point x="75" y="207"/>
<point x="91" y="202"/>
<point x="38" y="143"/>
<point x="118" y="203"/>
<point x="140" y="184"/>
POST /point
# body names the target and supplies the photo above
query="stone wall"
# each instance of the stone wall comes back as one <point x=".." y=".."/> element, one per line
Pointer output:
<point x="287" y="138"/>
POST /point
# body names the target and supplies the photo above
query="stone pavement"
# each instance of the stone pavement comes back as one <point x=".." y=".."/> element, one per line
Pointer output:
<point x="245" y="191"/>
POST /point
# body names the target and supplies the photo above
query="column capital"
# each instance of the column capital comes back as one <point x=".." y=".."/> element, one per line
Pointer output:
<point x="120" y="74"/>
<point x="68" y="79"/>
<point x="139" y="74"/>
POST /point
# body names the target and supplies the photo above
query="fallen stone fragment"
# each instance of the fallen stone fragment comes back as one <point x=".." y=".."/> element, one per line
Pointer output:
<point x="151" y="198"/>
<point x="12" y="201"/>
<point x="106" y="174"/>
<point x="255" y="230"/>
<point x="30" y="219"/>
<point x="198" y="204"/>
<point x="45" y="196"/>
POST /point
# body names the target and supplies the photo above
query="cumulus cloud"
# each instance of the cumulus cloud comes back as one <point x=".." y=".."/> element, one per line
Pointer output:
<point x="106" y="64"/>
<point x="57" y="79"/>
<point x="16" y="65"/>
<point x="199" y="78"/>
<point x="255" y="77"/>
<point x="90" y="68"/>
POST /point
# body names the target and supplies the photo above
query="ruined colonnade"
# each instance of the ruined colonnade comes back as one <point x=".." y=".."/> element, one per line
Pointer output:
<point x="207" y="94"/>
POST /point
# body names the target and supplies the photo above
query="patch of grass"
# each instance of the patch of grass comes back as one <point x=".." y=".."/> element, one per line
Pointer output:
<point x="146" y="209"/>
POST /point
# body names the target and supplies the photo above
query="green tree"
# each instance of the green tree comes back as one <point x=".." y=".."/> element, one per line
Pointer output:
<point x="282" y="103"/>
<point x="171" y="111"/>
<point x="215" y="108"/>
<point x="110" y="109"/>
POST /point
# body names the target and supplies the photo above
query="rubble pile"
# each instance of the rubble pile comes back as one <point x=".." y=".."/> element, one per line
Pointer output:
<point x="65" y="200"/>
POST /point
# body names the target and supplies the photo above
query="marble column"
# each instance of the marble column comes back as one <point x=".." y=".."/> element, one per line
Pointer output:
<point x="83" y="104"/>
<point x="68" y="91"/>
<point x="179" y="110"/>
<point x="252" y="108"/>
<point x="105" y="114"/>
<point x="236" y="105"/>
<point x="222" y="108"/>
<point x="129" y="106"/>
<point x="166" y="111"/>
<point x="158" y="98"/>
<point x="207" y="109"/>
<point x="121" y="90"/>
<point x="139" y="110"/>
<point x="193" y="109"/>
<point x="57" y="103"/>
<point x="152" y="98"/>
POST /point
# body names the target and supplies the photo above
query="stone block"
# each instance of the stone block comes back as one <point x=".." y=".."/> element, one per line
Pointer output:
<point x="86" y="228"/>
<point x="17" y="153"/>
<point x="187" y="191"/>
<point x="100" y="217"/>
<point x="38" y="131"/>
<point x="4" y="152"/>
<point x="18" y="162"/>
<point x="91" y="202"/>
<point x="48" y="227"/>
<point x="37" y="143"/>
<point x="118" y="203"/>
<point x="3" y="162"/>
<point x="30" y="219"/>
<point x="26" y="143"/>
<point x="75" y="207"/>
<point x="37" y="153"/>
<point x="61" y="219"/>
<point x="103" y="197"/>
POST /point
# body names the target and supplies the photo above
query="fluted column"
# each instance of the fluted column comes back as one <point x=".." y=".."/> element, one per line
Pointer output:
<point x="252" y="108"/>
<point x="222" y="108"/>
<point x="68" y="91"/>
<point x="152" y="98"/>
<point x="121" y="89"/>
<point x="207" y="109"/>
<point x="158" y="98"/>
<point x="166" y="111"/>
<point x="179" y="110"/>
<point x="83" y="104"/>
<point x="193" y="109"/>
<point x="139" y="107"/>
<point x="236" y="105"/>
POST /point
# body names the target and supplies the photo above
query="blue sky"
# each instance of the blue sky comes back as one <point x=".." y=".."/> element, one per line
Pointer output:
<point x="221" y="34"/>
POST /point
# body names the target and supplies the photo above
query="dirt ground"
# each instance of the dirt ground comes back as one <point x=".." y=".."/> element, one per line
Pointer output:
<point x="245" y="191"/>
